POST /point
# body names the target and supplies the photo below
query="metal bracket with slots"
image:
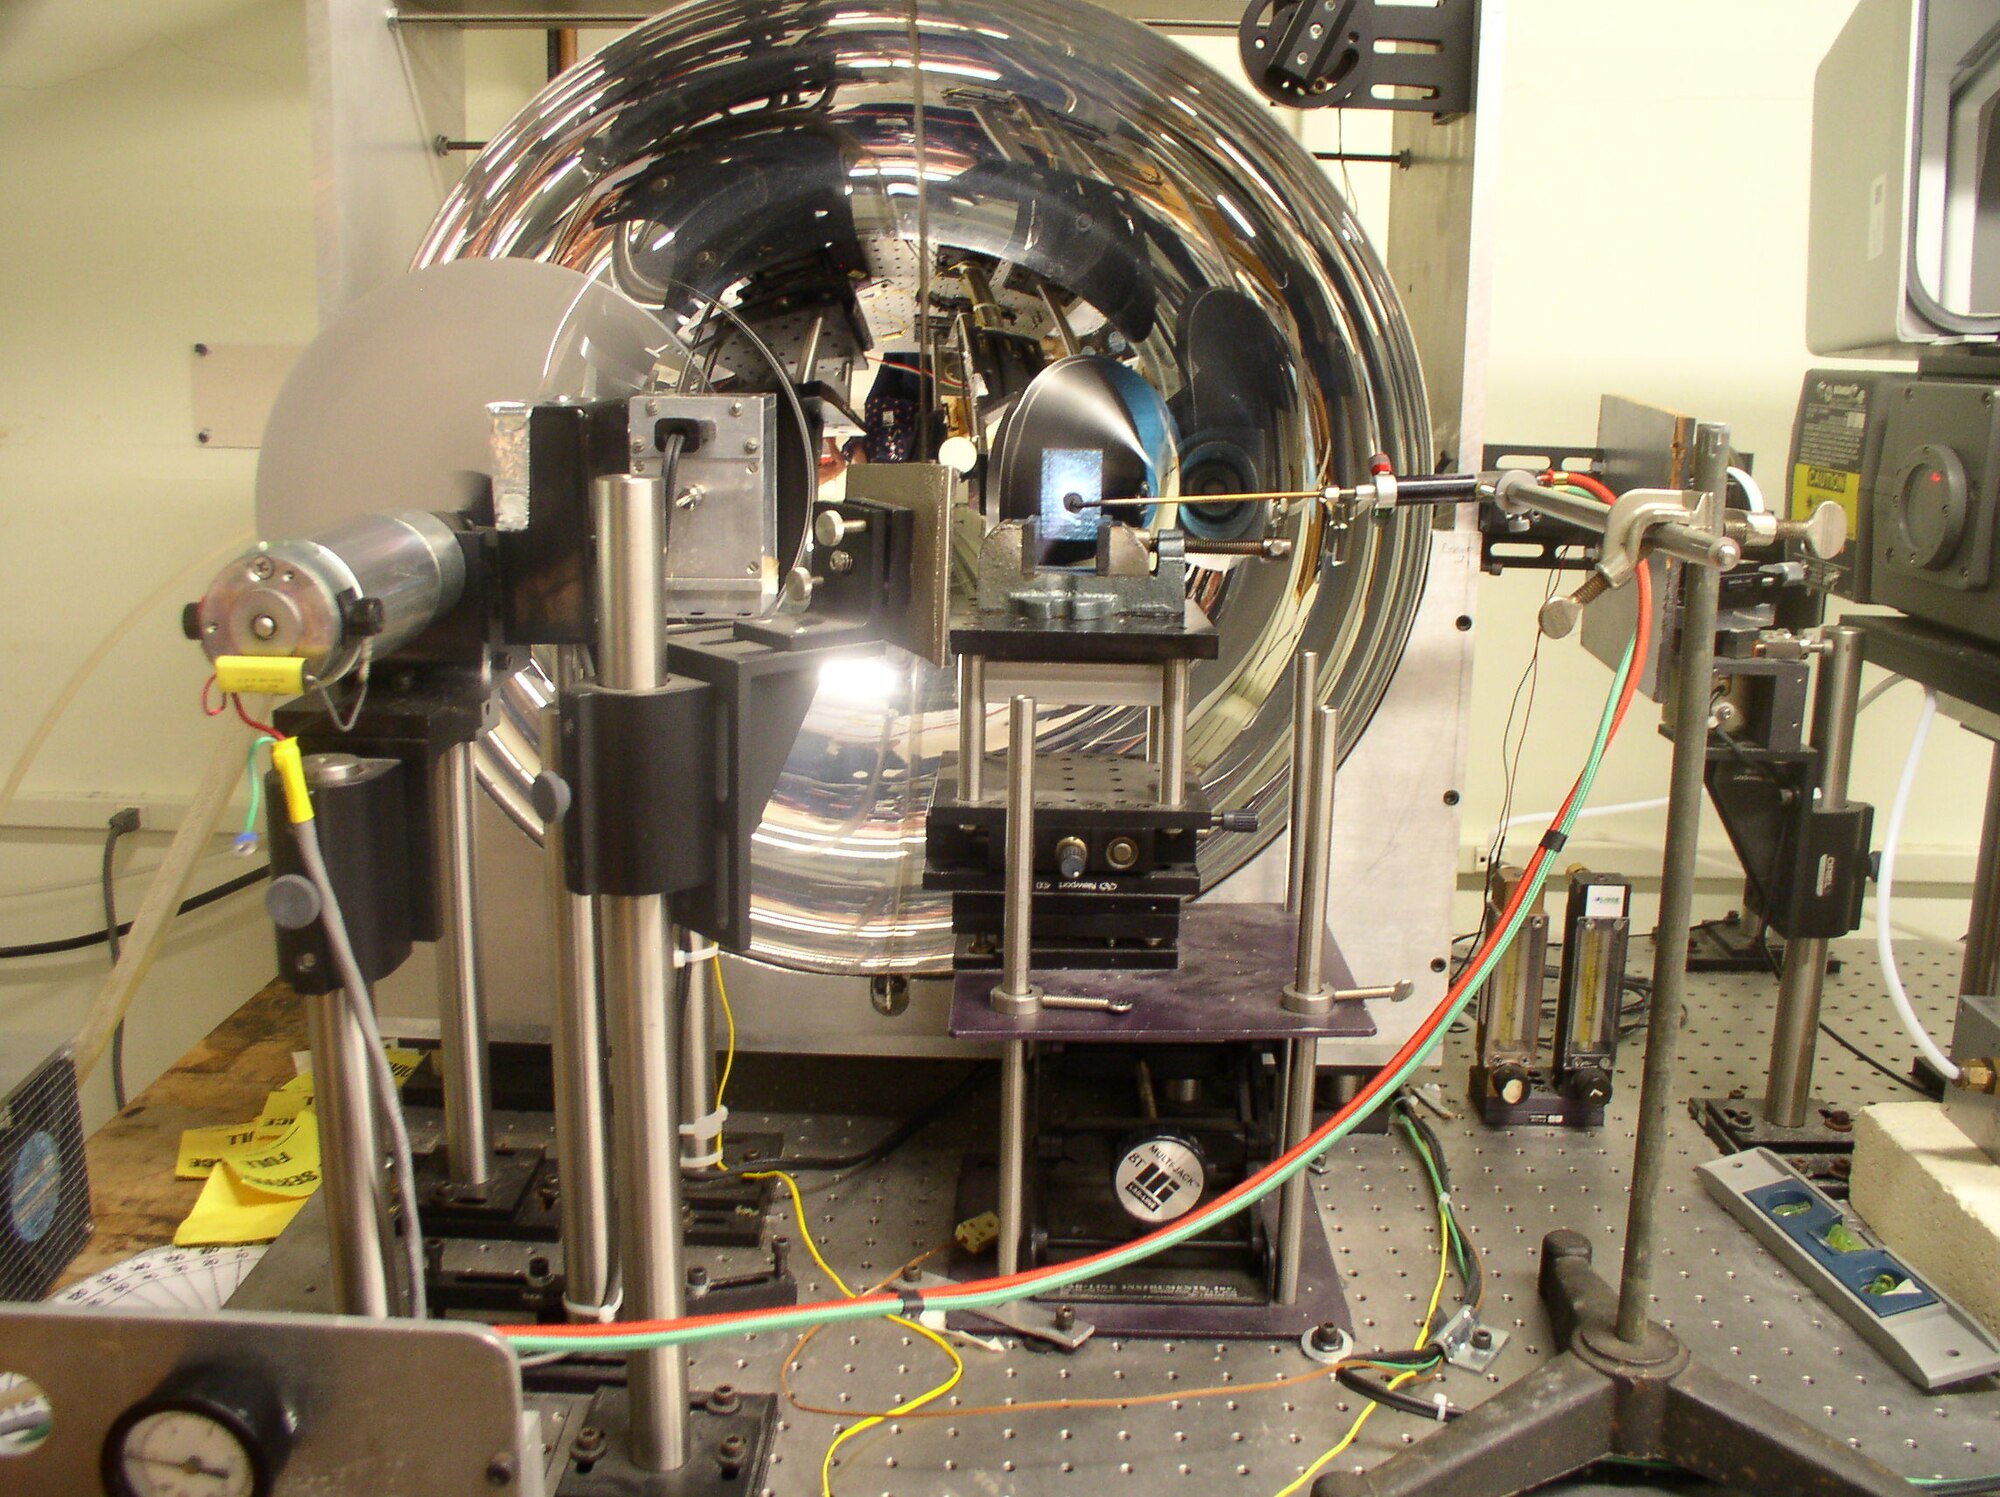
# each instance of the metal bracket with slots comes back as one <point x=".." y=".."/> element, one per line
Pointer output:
<point x="1930" y="1340"/>
<point x="1058" y="1325"/>
<point x="1469" y="1344"/>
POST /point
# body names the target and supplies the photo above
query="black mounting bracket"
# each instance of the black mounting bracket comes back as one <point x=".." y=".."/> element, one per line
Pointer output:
<point x="1362" y="54"/>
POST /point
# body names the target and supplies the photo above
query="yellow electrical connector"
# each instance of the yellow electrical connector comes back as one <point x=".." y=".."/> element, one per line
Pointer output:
<point x="261" y="675"/>
<point x="975" y="1234"/>
<point x="292" y="775"/>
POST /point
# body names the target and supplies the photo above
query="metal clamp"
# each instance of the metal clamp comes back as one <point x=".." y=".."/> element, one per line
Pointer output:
<point x="1823" y="533"/>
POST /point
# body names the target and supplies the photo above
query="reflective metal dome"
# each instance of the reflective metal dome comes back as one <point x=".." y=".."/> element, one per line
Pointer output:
<point x="1040" y="178"/>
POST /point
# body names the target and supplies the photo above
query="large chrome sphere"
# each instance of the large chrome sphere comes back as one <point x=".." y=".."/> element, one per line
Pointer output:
<point x="936" y="199"/>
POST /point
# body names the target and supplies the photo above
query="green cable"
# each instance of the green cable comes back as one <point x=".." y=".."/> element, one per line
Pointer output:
<point x="1173" y="1236"/>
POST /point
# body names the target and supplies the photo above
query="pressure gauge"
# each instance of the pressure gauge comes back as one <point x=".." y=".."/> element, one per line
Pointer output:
<point x="216" y="1432"/>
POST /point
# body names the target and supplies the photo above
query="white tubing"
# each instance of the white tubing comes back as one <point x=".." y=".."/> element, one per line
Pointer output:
<point x="96" y="658"/>
<point x="1751" y="490"/>
<point x="1885" y="882"/>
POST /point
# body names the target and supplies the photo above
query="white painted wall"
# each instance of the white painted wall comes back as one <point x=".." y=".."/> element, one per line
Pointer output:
<point x="155" y="167"/>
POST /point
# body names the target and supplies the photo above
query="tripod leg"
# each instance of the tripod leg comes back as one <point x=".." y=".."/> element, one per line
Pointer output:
<point x="1720" y="1429"/>
<point x="1550" y="1423"/>
<point x="1572" y="1292"/>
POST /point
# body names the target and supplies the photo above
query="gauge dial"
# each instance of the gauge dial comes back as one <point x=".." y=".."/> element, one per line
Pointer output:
<point x="207" y="1432"/>
<point x="184" y="1453"/>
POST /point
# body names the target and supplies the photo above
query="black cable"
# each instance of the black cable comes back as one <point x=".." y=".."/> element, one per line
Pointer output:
<point x="1351" y="1378"/>
<point x="891" y="1141"/>
<point x="1471" y="1262"/>
<point x="1963" y="1486"/>
<point x="102" y="937"/>
<point x="121" y="823"/>
<point x="1863" y="1056"/>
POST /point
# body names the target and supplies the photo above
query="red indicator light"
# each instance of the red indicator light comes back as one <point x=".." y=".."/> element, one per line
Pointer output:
<point x="1936" y="477"/>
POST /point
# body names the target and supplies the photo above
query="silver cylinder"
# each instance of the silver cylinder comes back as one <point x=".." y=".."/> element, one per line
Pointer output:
<point x="629" y="513"/>
<point x="577" y="1058"/>
<point x="1013" y="1205"/>
<point x="462" y="1051"/>
<point x="1305" y="698"/>
<point x="697" y="1053"/>
<point x="1295" y="1200"/>
<point x="1173" y="733"/>
<point x="645" y="1088"/>
<point x="1981" y="972"/>
<point x="293" y="597"/>
<point x="1795" y="1026"/>
<point x="351" y="1175"/>
<point x="1309" y="993"/>
<point x="971" y="727"/>
<point x="1017" y="993"/>
<point x="640" y="1013"/>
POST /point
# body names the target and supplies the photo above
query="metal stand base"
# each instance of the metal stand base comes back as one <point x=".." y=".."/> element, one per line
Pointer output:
<point x="728" y="1444"/>
<point x="1606" y="1398"/>
<point x="518" y="1202"/>
<point x="728" y="1210"/>
<point x="1822" y="1150"/>
<point x="1732" y="945"/>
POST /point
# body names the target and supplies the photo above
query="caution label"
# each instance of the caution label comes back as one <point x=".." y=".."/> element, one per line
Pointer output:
<point x="1833" y="429"/>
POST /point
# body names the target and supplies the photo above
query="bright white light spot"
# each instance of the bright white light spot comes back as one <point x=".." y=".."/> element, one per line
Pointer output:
<point x="864" y="681"/>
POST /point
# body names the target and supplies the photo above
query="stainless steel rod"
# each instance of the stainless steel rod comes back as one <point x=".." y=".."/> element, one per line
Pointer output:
<point x="1173" y="733"/>
<point x="351" y="1174"/>
<point x="1295" y="1201"/>
<point x="1013" y="1153"/>
<point x="644" y="1032"/>
<point x="1690" y="543"/>
<point x="1305" y="701"/>
<point x="641" y="1014"/>
<point x="1309" y="993"/>
<point x="577" y="1058"/>
<point x="1795" y="1028"/>
<point x="1981" y="972"/>
<point x="971" y="727"/>
<point x="462" y="1049"/>
<point x="697" y="1053"/>
<point x="1016" y="993"/>
<point x="1695" y="669"/>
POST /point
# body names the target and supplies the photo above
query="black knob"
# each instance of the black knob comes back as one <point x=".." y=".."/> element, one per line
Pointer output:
<point x="1072" y="857"/>
<point x="1588" y="1084"/>
<point x="364" y="617"/>
<point x="191" y="620"/>
<point x="1511" y="1083"/>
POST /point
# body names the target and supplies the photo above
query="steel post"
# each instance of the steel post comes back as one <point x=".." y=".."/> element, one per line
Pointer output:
<point x="351" y="1176"/>
<point x="1014" y="1140"/>
<point x="636" y="943"/>
<point x="1295" y="1202"/>
<point x="462" y="1052"/>
<point x="1694" y="673"/>
<point x="1173" y="733"/>
<point x="1795" y="1029"/>
<point x="1305" y="700"/>
<point x="1017" y="993"/>
<point x="698" y="1147"/>
<point x="971" y="727"/>
<point x="577" y="1055"/>
<point x="1309" y="993"/>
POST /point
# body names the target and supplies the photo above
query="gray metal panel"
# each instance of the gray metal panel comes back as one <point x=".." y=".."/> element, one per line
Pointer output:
<point x="380" y="97"/>
<point x="385" y="1407"/>
<point x="1976" y="1036"/>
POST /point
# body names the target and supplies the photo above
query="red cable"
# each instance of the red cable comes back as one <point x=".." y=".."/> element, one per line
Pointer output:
<point x="237" y="703"/>
<point x="942" y="1299"/>
<point x="1584" y="481"/>
<point x="219" y="708"/>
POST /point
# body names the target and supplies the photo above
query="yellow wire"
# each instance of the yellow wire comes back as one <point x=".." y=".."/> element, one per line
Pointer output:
<point x="728" y="1056"/>
<point x="812" y="1247"/>
<point x="1430" y="1315"/>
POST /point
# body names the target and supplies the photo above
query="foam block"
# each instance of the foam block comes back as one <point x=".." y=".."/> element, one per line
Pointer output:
<point x="1933" y="1197"/>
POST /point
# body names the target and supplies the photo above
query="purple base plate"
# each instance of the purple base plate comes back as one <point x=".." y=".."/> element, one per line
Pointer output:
<point x="1235" y="962"/>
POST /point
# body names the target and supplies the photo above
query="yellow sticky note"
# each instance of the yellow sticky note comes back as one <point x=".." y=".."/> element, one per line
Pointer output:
<point x="202" y="1149"/>
<point x="402" y="1063"/>
<point x="285" y="1166"/>
<point x="230" y="1212"/>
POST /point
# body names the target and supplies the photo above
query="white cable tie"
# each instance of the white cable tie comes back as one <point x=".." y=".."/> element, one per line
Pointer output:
<point x="596" y="1314"/>
<point x="696" y="954"/>
<point x="1442" y="1405"/>
<point x="705" y="1127"/>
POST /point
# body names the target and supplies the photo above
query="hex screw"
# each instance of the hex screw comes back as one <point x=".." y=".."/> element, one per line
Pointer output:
<point x="500" y="1471"/>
